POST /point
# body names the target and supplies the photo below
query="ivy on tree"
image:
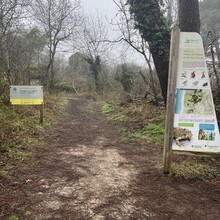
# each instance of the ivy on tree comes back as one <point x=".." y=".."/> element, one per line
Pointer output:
<point x="154" y="28"/>
<point x="95" y="68"/>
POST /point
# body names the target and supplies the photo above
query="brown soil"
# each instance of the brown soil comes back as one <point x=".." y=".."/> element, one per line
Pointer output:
<point x="85" y="171"/>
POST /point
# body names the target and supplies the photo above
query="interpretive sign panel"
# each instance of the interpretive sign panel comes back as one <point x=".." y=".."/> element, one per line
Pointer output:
<point x="195" y="123"/>
<point x="26" y="95"/>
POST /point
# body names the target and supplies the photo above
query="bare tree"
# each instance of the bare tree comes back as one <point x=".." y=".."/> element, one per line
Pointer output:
<point x="132" y="37"/>
<point x="11" y="13"/>
<point x="92" y="37"/>
<point x="59" y="19"/>
<point x="92" y="41"/>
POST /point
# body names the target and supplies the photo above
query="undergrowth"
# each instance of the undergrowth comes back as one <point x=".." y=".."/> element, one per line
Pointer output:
<point x="145" y="124"/>
<point x="20" y="129"/>
<point x="194" y="170"/>
<point x="141" y="121"/>
<point x="150" y="132"/>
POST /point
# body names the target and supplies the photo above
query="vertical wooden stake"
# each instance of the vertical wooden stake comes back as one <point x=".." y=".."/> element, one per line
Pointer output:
<point x="173" y="68"/>
<point x="41" y="113"/>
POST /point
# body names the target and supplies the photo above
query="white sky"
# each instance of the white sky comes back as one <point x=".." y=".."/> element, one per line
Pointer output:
<point x="105" y="7"/>
<point x="108" y="9"/>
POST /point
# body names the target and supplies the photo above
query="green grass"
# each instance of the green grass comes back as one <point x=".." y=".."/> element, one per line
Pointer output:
<point x="107" y="107"/>
<point x="151" y="132"/>
<point x="113" y="111"/>
<point x="13" y="217"/>
<point x="152" y="129"/>
<point x="20" y="128"/>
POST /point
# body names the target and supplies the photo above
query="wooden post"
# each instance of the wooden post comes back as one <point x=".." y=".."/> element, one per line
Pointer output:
<point x="41" y="113"/>
<point x="173" y="68"/>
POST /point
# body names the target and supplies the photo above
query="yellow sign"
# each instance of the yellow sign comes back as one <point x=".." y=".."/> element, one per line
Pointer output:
<point x="26" y="101"/>
<point x="26" y="95"/>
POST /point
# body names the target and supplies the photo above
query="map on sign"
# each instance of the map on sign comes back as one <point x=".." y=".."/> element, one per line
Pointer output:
<point x="195" y="123"/>
<point x="26" y="95"/>
<point x="194" y="101"/>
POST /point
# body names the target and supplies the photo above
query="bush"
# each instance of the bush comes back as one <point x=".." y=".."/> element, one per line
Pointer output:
<point x="64" y="87"/>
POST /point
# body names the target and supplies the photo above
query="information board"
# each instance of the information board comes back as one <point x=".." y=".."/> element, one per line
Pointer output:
<point x="26" y="95"/>
<point x="194" y="116"/>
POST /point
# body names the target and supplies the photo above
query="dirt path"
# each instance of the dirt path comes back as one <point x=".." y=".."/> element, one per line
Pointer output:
<point x="85" y="171"/>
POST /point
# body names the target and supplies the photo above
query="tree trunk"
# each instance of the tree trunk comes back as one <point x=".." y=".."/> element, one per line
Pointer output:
<point x="162" y="67"/>
<point x="217" y="46"/>
<point x="189" y="18"/>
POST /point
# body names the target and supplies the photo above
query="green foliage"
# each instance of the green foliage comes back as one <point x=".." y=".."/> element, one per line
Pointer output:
<point x="95" y="69"/>
<point x="113" y="111"/>
<point x="155" y="130"/>
<point x="154" y="28"/>
<point x="151" y="23"/>
<point x="151" y="132"/>
<point x="150" y="120"/>
<point x="13" y="217"/>
<point x="125" y="77"/>
<point x="107" y="108"/>
<point x="64" y="87"/>
<point x="95" y="65"/>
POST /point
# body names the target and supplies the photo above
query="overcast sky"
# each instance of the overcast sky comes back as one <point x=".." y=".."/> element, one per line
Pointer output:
<point x="108" y="9"/>
<point x="105" y="7"/>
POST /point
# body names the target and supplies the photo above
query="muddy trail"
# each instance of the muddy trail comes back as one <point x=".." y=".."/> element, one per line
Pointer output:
<point x="85" y="171"/>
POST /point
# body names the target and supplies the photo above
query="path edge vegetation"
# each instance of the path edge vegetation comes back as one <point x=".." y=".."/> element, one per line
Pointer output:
<point x="140" y="122"/>
<point x="143" y="123"/>
<point x="21" y="130"/>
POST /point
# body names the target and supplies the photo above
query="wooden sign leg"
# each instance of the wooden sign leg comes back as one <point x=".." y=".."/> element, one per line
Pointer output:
<point x="42" y="113"/>
<point x="173" y="68"/>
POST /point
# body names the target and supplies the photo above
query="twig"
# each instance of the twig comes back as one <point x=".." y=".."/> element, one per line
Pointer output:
<point x="2" y="185"/>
